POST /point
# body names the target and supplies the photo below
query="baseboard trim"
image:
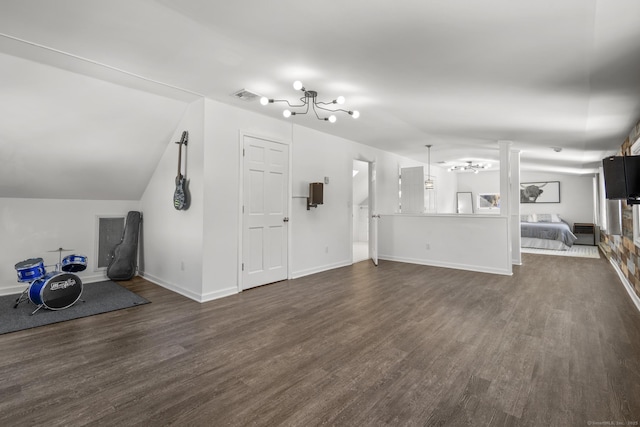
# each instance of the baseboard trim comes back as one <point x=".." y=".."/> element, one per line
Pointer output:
<point x="187" y="293"/>
<point x="19" y="288"/>
<point x="219" y="294"/>
<point x="478" y="269"/>
<point x="320" y="269"/>
<point x="627" y="286"/>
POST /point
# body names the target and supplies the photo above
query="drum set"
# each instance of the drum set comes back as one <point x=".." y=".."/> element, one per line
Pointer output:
<point x="54" y="290"/>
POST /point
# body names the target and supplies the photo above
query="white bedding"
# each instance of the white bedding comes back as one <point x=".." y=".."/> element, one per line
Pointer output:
<point x="532" y="242"/>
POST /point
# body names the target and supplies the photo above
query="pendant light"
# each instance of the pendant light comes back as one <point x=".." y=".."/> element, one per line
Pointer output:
<point x="428" y="184"/>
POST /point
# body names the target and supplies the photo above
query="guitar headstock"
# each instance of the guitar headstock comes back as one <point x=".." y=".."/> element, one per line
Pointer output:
<point x="185" y="138"/>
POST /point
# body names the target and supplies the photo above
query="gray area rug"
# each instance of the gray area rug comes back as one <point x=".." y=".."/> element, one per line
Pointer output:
<point x="578" y="251"/>
<point x="99" y="297"/>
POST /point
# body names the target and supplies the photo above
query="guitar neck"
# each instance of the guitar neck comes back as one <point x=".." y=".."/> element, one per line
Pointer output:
<point x="184" y="140"/>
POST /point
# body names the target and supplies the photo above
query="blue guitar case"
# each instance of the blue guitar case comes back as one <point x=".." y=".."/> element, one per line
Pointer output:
<point x="124" y="256"/>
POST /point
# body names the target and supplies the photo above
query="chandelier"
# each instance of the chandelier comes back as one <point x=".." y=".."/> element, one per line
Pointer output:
<point x="310" y="101"/>
<point x="470" y="167"/>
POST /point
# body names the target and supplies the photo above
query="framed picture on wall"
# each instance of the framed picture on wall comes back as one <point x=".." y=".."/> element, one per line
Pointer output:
<point x="488" y="201"/>
<point x="540" y="192"/>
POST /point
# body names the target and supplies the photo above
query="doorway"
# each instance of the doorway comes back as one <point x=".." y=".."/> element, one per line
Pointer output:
<point x="360" y="213"/>
<point x="264" y="212"/>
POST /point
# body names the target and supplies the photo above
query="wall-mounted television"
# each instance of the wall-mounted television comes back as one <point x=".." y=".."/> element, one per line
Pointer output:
<point x="632" y="179"/>
<point x="614" y="178"/>
<point x="622" y="178"/>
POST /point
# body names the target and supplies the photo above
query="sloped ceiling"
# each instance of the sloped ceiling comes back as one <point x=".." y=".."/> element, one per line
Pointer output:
<point x="460" y="75"/>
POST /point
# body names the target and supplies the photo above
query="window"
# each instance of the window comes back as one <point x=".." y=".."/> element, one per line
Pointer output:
<point x="109" y="230"/>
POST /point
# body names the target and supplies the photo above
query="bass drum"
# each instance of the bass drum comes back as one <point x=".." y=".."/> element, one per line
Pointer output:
<point x="56" y="291"/>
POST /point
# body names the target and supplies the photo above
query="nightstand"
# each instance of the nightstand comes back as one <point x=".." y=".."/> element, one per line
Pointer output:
<point x="585" y="232"/>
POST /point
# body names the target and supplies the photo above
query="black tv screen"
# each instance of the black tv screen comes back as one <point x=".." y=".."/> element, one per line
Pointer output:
<point x="632" y="178"/>
<point x="614" y="177"/>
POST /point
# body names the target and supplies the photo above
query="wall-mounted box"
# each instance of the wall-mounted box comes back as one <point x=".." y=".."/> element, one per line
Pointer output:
<point x="316" y="195"/>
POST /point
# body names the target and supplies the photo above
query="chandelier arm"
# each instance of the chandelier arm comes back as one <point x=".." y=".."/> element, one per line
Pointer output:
<point x="316" y="113"/>
<point x="328" y="109"/>
<point x="288" y="103"/>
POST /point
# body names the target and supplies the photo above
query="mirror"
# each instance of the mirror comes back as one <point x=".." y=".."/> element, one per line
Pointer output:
<point x="465" y="203"/>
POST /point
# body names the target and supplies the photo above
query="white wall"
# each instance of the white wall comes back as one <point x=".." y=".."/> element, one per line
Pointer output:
<point x="576" y="197"/>
<point x="576" y="193"/>
<point x="224" y="126"/>
<point x="477" y="183"/>
<point x="32" y="227"/>
<point x="173" y="240"/>
<point x="467" y="242"/>
<point x="321" y="237"/>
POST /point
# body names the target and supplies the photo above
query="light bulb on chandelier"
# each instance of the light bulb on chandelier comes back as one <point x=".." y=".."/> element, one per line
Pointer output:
<point x="310" y="100"/>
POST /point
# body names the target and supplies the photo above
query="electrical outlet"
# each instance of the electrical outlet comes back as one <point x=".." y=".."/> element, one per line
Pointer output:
<point x="428" y="246"/>
<point x="182" y="265"/>
<point x="326" y="249"/>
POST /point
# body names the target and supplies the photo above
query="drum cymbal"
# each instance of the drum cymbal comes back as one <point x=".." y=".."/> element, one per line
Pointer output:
<point x="61" y="250"/>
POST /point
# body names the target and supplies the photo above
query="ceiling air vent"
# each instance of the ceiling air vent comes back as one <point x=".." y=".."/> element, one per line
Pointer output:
<point x="246" y="95"/>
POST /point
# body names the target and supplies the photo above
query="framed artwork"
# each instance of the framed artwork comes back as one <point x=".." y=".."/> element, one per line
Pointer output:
<point x="488" y="201"/>
<point x="540" y="192"/>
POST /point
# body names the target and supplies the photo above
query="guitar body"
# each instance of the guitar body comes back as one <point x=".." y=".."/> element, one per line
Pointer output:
<point x="124" y="256"/>
<point x="181" y="194"/>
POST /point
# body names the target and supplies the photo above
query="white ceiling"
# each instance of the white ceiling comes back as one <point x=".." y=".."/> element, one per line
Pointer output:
<point x="460" y="74"/>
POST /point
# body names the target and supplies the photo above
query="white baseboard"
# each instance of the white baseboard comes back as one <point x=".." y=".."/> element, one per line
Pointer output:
<point x="627" y="286"/>
<point x="20" y="287"/>
<point x="210" y="296"/>
<point x="455" y="266"/>
<point x="187" y="293"/>
<point x="16" y="289"/>
<point x="314" y="270"/>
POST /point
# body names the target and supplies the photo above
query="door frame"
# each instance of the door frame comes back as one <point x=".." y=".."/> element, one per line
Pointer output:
<point x="370" y="161"/>
<point x="241" y="135"/>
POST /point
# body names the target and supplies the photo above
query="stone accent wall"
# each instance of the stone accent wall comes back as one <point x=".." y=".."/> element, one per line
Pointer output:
<point x="621" y="249"/>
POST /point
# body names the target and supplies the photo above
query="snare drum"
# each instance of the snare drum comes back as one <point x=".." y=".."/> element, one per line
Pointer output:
<point x="30" y="269"/>
<point x="56" y="291"/>
<point x="73" y="263"/>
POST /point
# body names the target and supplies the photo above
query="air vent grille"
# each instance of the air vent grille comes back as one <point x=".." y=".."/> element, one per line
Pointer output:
<point x="246" y="95"/>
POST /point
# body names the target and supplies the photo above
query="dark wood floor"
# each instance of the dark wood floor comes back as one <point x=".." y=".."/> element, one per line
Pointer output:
<point x="556" y="344"/>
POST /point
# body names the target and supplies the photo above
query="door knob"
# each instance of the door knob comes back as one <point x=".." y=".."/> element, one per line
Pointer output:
<point x="285" y="219"/>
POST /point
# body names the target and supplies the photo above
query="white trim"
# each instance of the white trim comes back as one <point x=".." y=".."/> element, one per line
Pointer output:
<point x="627" y="286"/>
<point x="479" y="269"/>
<point x="16" y="289"/>
<point x="187" y="293"/>
<point x="320" y="269"/>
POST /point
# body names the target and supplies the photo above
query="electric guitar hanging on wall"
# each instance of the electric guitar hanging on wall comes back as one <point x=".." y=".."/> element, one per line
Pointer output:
<point x="181" y="195"/>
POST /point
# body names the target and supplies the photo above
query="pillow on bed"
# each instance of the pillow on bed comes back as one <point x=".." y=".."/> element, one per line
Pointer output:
<point x="528" y="218"/>
<point x="548" y="218"/>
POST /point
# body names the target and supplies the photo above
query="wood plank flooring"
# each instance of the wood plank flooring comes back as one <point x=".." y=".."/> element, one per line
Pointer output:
<point x="556" y="344"/>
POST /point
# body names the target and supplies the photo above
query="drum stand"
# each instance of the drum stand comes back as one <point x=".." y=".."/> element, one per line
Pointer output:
<point x="23" y="297"/>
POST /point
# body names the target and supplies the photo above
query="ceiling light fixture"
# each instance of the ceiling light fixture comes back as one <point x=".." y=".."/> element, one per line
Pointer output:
<point x="428" y="184"/>
<point x="470" y="167"/>
<point x="310" y="99"/>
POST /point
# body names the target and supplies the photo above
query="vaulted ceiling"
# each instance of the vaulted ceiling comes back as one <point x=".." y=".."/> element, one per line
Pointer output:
<point x="95" y="88"/>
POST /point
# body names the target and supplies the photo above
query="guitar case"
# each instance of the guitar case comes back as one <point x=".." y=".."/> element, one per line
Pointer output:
<point x="125" y="254"/>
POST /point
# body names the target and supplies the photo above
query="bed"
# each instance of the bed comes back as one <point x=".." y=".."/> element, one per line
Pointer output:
<point x="545" y="231"/>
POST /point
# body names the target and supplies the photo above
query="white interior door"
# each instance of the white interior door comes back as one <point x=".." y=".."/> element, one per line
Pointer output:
<point x="265" y="207"/>
<point x="373" y="215"/>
